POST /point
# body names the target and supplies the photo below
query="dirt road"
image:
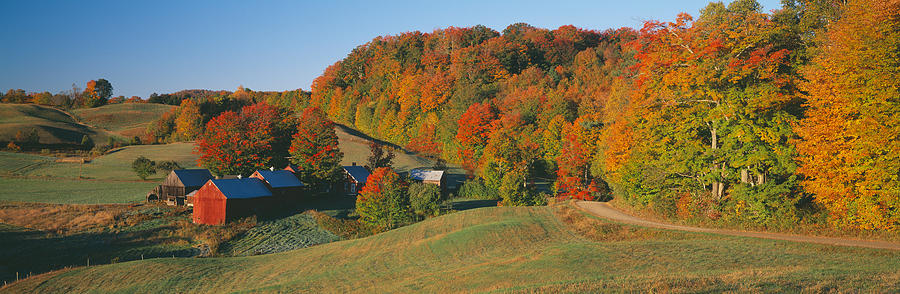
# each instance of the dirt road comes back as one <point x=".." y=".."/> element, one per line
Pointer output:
<point x="604" y="210"/>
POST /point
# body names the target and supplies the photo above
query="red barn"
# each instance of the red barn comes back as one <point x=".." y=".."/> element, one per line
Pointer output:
<point x="221" y="200"/>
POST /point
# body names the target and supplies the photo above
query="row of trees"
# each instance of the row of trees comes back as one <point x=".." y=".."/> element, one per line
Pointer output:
<point x="260" y="136"/>
<point x="736" y="115"/>
<point x="197" y="107"/>
<point x="96" y="93"/>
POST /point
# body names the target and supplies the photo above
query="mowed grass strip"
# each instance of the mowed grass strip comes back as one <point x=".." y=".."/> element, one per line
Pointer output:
<point x="506" y="249"/>
<point x="66" y="191"/>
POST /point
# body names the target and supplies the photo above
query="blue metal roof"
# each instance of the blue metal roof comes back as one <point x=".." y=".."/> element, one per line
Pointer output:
<point x="242" y="188"/>
<point x="359" y="173"/>
<point x="193" y="177"/>
<point x="280" y="178"/>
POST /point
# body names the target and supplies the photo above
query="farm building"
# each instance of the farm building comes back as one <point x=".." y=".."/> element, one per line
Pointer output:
<point x="434" y="177"/>
<point x="356" y="178"/>
<point x="178" y="184"/>
<point x="221" y="200"/>
<point x="282" y="183"/>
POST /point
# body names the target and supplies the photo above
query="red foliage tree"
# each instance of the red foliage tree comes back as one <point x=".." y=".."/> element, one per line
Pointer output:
<point x="475" y="128"/>
<point x="314" y="149"/>
<point x="239" y="143"/>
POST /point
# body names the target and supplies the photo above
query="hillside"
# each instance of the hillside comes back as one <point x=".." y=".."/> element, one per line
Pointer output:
<point x="505" y="249"/>
<point x="124" y="119"/>
<point x="54" y="126"/>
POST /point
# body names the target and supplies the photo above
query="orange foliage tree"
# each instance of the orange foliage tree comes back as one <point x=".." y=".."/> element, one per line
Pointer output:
<point x="850" y="150"/>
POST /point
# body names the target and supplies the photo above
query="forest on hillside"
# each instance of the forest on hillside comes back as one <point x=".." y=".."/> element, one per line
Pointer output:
<point x="737" y="115"/>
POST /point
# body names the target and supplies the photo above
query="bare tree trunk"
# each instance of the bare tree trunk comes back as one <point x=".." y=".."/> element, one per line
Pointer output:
<point x="717" y="187"/>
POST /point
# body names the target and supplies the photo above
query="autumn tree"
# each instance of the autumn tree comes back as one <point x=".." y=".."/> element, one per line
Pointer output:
<point x="715" y="100"/>
<point x="379" y="158"/>
<point x="475" y="128"/>
<point x="188" y="122"/>
<point x="850" y="151"/>
<point x="314" y="149"/>
<point x="383" y="202"/>
<point x="161" y="129"/>
<point x="258" y="137"/>
<point x="97" y="92"/>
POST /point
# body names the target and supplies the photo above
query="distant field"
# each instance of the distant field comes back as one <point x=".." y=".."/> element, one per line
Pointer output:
<point x="125" y="119"/>
<point x="527" y="249"/>
<point x="117" y="165"/>
<point x="53" y="126"/>
<point x="72" y="191"/>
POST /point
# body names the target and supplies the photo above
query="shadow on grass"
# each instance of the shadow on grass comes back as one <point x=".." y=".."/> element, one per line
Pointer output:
<point x="466" y="204"/>
<point x="30" y="252"/>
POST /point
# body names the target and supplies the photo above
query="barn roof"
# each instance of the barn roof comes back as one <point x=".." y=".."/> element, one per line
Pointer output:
<point x="193" y="177"/>
<point x="359" y="173"/>
<point x="279" y="178"/>
<point x="242" y="188"/>
<point x="426" y="175"/>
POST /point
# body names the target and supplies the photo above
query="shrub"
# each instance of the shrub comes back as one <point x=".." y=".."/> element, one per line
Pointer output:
<point x="143" y="167"/>
<point x="476" y="189"/>
<point x="87" y="142"/>
<point x="13" y="147"/>
<point x="384" y="203"/>
<point x="425" y="199"/>
<point x="515" y="193"/>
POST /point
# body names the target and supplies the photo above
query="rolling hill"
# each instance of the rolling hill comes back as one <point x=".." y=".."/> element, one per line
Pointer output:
<point x="518" y="249"/>
<point x="53" y="125"/>
<point x="124" y="119"/>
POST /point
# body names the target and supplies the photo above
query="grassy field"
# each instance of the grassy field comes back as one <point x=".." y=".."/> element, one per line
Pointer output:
<point x="519" y="249"/>
<point x="117" y="164"/>
<point x="106" y="179"/>
<point x="72" y="191"/>
<point x="125" y="119"/>
<point x="356" y="149"/>
<point x="15" y="163"/>
<point x="53" y="126"/>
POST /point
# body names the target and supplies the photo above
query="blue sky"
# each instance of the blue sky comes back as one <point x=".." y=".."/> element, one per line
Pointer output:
<point x="143" y="47"/>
